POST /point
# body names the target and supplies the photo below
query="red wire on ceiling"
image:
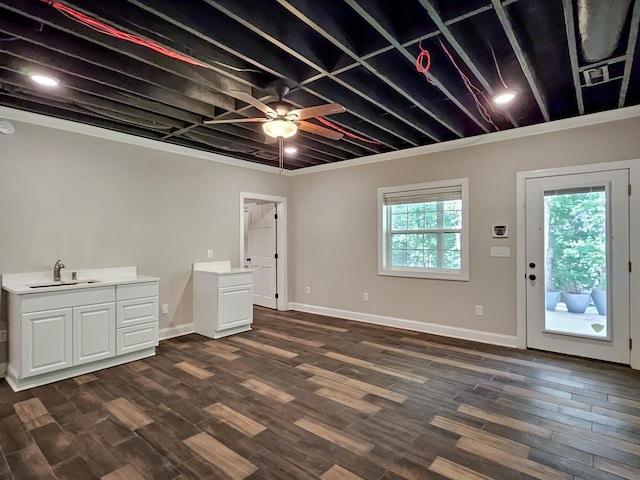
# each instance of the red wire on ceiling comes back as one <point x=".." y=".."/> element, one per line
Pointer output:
<point x="423" y="56"/>
<point x="101" y="27"/>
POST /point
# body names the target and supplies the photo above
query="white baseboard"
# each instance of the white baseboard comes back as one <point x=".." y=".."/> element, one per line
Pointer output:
<point x="3" y="370"/>
<point x="424" y="327"/>
<point x="176" y="331"/>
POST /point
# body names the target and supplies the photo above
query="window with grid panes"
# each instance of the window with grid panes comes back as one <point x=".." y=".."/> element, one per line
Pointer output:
<point x="423" y="230"/>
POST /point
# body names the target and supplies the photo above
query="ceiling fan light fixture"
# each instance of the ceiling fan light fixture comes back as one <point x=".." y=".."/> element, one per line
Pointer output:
<point x="504" y="97"/>
<point x="44" y="80"/>
<point x="280" y="128"/>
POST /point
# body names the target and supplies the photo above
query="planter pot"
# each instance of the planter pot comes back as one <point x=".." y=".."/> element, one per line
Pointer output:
<point x="551" y="300"/>
<point x="577" y="302"/>
<point x="600" y="300"/>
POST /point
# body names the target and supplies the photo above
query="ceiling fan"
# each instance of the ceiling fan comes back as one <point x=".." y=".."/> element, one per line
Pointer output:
<point x="281" y="119"/>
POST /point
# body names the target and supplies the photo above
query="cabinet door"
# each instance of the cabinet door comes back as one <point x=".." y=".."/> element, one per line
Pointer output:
<point x="94" y="332"/>
<point x="46" y="341"/>
<point x="235" y="306"/>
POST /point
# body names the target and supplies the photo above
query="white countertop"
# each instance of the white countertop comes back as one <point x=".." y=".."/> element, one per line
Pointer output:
<point x="222" y="267"/>
<point x="18" y="283"/>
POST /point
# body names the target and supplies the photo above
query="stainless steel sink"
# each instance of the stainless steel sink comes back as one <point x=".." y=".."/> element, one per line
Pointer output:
<point x="61" y="284"/>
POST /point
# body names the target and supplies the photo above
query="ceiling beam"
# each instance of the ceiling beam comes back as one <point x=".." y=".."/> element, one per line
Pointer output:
<point x="21" y="56"/>
<point x="197" y="74"/>
<point x="270" y="63"/>
<point x="631" y="52"/>
<point x="569" y="23"/>
<point x="111" y="94"/>
<point x="83" y="99"/>
<point x="448" y="35"/>
<point x="386" y="34"/>
<point x="241" y="12"/>
<point x="527" y="69"/>
<point x="67" y="111"/>
<point x="339" y="39"/>
<point x="98" y="56"/>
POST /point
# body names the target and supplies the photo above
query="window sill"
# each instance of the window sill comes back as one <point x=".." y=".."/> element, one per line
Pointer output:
<point x="434" y="275"/>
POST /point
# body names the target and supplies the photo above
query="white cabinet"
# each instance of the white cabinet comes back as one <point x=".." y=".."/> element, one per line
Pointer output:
<point x="222" y="301"/>
<point x="60" y="334"/>
<point x="47" y="341"/>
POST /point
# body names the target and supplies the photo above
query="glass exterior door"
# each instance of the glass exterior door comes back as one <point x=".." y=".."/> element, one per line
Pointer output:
<point x="577" y="241"/>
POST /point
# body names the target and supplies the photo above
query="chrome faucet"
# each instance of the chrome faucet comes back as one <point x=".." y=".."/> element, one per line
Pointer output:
<point x="56" y="270"/>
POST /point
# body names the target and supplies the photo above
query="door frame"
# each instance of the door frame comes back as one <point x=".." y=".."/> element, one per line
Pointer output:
<point x="281" y="239"/>
<point x="634" y="242"/>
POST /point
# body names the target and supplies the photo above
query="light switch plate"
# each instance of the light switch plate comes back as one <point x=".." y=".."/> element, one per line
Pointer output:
<point x="3" y="336"/>
<point x="503" y="252"/>
<point x="165" y="308"/>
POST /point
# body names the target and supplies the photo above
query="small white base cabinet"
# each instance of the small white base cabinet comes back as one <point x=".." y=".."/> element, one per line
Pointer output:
<point x="61" y="333"/>
<point x="222" y="299"/>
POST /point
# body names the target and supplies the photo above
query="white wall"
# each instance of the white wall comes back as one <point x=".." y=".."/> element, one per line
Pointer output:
<point x="334" y="249"/>
<point x="99" y="203"/>
<point x="96" y="203"/>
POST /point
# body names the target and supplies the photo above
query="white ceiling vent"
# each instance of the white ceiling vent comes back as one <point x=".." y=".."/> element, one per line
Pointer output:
<point x="597" y="75"/>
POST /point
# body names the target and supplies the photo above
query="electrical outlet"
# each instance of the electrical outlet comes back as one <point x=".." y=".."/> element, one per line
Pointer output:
<point x="3" y="336"/>
<point x="165" y="308"/>
<point x="210" y="253"/>
<point x="365" y="297"/>
<point x="479" y="311"/>
<point x="308" y="290"/>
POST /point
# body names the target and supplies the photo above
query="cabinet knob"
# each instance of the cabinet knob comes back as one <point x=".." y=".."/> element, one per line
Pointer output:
<point x="532" y="277"/>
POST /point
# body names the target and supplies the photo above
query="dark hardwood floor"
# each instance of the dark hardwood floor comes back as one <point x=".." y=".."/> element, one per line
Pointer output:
<point x="304" y="396"/>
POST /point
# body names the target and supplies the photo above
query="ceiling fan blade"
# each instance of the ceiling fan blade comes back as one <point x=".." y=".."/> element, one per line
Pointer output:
<point x="318" y="111"/>
<point x="318" y="130"/>
<point x="236" y="120"/>
<point x="245" y="97"/>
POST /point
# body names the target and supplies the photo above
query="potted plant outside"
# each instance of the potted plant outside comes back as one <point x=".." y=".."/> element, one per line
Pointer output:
<point x="599" y="295"/>
<point x="577" y="281"/>
<point x="576" y="244"/>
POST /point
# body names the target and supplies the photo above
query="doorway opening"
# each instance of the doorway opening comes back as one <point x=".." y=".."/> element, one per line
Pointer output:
<point x="263" y="247"/>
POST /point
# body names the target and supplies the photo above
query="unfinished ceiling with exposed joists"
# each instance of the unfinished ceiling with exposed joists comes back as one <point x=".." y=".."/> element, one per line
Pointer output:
<point x="408" y="72"/>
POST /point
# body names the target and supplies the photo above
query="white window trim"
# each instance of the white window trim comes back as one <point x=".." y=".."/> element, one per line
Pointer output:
<point x="439" y="274"/>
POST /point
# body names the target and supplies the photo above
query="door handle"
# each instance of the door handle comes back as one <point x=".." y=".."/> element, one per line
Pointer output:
<point x="532" y="277"/>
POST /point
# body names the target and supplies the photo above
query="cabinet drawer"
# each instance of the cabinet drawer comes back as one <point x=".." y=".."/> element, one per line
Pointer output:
<point x="136" y="337"/>
<point x="36" y="302"/>
<point x="231" y="280"/>
<point x="136" y="311"/>
<point x="137" y="290"/>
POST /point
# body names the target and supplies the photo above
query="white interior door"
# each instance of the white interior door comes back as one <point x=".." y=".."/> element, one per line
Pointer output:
<point x="577" y="272"/>
<point x="262" y="253"/>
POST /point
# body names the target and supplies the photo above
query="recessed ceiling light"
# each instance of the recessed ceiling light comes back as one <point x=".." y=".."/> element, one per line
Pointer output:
<point x="290" y="150"/>
<point x="44" y="80"/>
<point x="504" y="97"/>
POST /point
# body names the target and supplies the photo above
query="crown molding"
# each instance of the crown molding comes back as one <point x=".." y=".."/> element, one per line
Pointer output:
<point x="515" y="133"/>
<point x="521" y="132"/>
<point x="93" y="131"/>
